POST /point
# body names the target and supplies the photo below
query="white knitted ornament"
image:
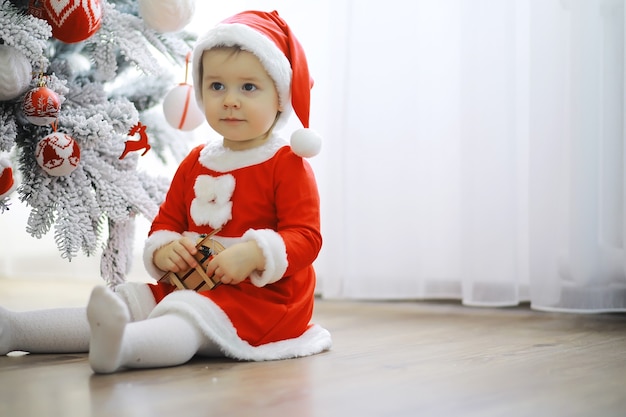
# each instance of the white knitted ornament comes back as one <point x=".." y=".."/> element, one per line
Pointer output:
<point x="58" y="154"/>
<point x="15" y="73"/>
<point x="166" y="15"/>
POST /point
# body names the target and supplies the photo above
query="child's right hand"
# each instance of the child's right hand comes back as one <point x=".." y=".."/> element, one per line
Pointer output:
<point x="176" y="256"/>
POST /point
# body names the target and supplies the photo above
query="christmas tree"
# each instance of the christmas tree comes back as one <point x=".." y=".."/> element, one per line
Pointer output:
<point x="78" y="81"/>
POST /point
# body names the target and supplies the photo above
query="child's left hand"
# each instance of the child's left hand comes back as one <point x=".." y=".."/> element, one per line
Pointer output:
<point x="236" y="263"/>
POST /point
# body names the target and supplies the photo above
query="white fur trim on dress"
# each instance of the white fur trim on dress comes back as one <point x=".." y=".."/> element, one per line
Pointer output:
<point x="275" y="253"/>
<point x="138" y="298"/>
<point x="153" y="242"/>
<point x="218" y="329"/>
<point x="221" y="159"/>
<point x="212" y="203"/>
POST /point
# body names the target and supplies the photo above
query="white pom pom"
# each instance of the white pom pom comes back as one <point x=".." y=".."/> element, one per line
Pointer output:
<point x="306" y="143"/>
<point x="15" y="73"/>
<point x="166" y="15"/>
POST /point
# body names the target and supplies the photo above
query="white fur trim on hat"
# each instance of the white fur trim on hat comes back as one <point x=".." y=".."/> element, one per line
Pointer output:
<point x="271" y="57"/>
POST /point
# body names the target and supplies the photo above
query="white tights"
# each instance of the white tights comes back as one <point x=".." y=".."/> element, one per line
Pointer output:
<point x="104" y="329"/>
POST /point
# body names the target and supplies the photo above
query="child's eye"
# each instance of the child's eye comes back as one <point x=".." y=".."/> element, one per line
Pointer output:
<point x="217" y="86"/>
<point x="248" y="87"/>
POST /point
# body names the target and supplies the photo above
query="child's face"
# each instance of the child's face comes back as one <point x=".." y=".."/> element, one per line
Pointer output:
<point x="239" y="97"/>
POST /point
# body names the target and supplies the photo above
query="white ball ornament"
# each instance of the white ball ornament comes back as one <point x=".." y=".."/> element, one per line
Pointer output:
<point x="181" y="109"/>
<point x="58" y="154"/>
<point x="16" y="73"/>
<point x="306" y="143"/>
<point x="166" y="15"/>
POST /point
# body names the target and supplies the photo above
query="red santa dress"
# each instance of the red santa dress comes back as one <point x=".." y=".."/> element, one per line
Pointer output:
<point x="267" y="194"/>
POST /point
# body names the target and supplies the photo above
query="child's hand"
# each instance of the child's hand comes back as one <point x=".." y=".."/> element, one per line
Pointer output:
<point x="176" y="256"/>
<point x="236" y="263"/>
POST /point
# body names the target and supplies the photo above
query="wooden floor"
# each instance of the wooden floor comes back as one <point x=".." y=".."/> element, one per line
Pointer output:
<point x="389" y="359"/>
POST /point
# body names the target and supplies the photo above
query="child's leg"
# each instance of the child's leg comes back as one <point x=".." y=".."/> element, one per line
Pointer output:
<point x="116" y="343"/>
<point x="59" y="330"/>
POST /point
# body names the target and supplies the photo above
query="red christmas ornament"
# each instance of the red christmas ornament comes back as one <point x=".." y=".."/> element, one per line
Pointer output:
<point x="73" y="20"/>
<point x="41" y="106"/>
<point x="58" y="154"/>
<point x="7" y="183"/>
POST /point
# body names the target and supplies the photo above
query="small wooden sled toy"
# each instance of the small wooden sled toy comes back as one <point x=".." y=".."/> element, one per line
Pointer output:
<point x="195" y="278"/>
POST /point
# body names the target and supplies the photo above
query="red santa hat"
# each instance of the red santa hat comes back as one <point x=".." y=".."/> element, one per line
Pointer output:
<point x="270" y="39"/>
<point x="7" y="183"/>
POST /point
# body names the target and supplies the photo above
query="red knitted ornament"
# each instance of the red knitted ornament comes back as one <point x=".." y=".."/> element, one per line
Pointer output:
<point x="73" y="20"/>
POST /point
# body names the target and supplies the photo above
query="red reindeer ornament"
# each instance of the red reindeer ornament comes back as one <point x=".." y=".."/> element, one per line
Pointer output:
<point x="137" y="145"/>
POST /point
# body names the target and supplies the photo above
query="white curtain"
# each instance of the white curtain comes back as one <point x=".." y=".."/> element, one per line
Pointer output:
<point x="475" y="151"/>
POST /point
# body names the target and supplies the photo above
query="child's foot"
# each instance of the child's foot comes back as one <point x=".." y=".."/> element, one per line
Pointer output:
<point x="108" y="317"/>
<point x="5" y="332"/>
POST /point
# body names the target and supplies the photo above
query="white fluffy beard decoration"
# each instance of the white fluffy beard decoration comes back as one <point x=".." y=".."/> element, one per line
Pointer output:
<point x="167" y="15"/>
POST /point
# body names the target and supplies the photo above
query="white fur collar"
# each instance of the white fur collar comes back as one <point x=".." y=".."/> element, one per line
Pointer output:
<point x="218" y="158"/>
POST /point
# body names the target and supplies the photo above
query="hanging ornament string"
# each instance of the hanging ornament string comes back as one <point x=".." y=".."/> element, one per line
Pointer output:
<point x="187" y="59"/>
<point x="188" y="95"/>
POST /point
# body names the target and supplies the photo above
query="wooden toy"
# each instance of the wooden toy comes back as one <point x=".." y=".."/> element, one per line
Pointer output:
<point x="196" y="278"/>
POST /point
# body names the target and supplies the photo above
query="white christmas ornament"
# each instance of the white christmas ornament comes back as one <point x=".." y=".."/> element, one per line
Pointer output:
<point x="58" y="154"/>
<point x="306" y="143"/>
<point x="15" y="73"/>
<point x="180" y="108"/>
<point x="166" y="15"/>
